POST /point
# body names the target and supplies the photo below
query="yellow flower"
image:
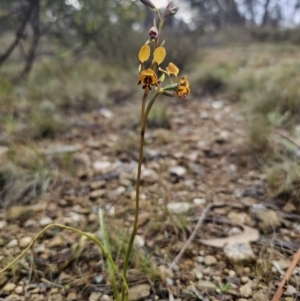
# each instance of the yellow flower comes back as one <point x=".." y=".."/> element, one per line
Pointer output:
<point x="149" y="78"/>
<point x="183" y="88"/>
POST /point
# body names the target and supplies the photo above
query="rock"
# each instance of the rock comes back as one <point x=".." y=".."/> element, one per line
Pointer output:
<point x="45" y="221"/>
<point x="3" y="150"/>
<point x="106" y="113"/>
<point x="149" y="175"/>
<point x="246" y="289"/>
<point x="139" y="241"/>
<point x="25" y="241"/>
<point x="217" y="104"/>
<point x="198" y="201"/>
<point x="95" y="296"/>
<point x="210" y="260"/>
<point x="101" y="166"/>
<point x="114" y="195"/>
<point x="13" y="297"/>
<point x="260" y="295"/>
<point x="139" y="292"/>
<point x="3" y="224"/>
<point x="105" y="298"/>
<point x="290" y="290"/>
<point x="165" y="272"/>
<point x="198" y="275"/>
<point x="238" y="253"/>
<point x="19" y="290"/>
<point x="98" y="193"/>
<point x="204" y="115"/>
<point x="196" y="168"/>
<point x="97" y="184"/>
<point x="232" y="273"/>
<point x="205" y="285"/>
<point x="56" y="242"/>
<point x="178" y="171"/>
<point x="56" y="297"/>
<point x="110" y="209"/>
<point x="268" y="220"/>
<point x="9" y="287"/>
<point x="244" y="279"/>
<point x="72" y="296"/>
<point x="13" y="243"/>
<point x="238" y="217"/>
<point x="177" y="208"/>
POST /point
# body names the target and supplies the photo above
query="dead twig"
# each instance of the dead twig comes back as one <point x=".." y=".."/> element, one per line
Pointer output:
<point x="287" y="276"/>
<point x="197" y="227"/>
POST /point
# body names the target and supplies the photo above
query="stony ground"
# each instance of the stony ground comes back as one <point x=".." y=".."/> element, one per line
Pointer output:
<point x="201" y="159"/>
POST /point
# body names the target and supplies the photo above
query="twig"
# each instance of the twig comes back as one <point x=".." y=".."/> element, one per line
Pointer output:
<point x="287" y="276"/>
<point x="199" y="223"/>
<point x="287" y="137"/>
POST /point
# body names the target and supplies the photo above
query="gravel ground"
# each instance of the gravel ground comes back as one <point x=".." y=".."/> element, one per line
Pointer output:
<point x="240" y="252"/>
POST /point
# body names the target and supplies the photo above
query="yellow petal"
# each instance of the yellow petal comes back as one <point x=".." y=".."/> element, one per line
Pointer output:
<point x="144" y="53"/>
<point x="159" y="54"/>
<point x="172" y="68"/>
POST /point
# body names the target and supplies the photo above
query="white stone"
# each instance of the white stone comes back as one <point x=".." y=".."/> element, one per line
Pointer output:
<point x="177" y="208"/>
<point x="210" y="260"/>
<point x="139" y="292"/>
<point x="45" y="221"/>
<point x="3" y="224"/>
<point x="101" y="165"/>
<point x="218" y="104"/>
<point x="178" y="171"/>
<point x="106" y="113"/>
<point x="139" y="241"/>
<point x="239" y="252"/>
<point x="199" y="201"/>
<point x="9" y="287"/>
<point x="12" y="243"/>
<point x="25" y="241"/>
<point x="110" y="209"/>
<point x="246" y="289"/>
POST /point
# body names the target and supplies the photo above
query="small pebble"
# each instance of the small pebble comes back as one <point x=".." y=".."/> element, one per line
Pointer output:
<point x="45" y="221"/>
<point x="3" y="224"/>
<point x="12" y="243"/>
<point x="244" y="279"/>
<point x="25" y="241"/>
<point x="177" y="208"/>
<point x="105" y="298"/>
<point x="13" y="297"/>
<point x="9" y="287"/>
<point x="95" y="296"/>
<point x="19" y="290"/>
<point x="210" y="260"/>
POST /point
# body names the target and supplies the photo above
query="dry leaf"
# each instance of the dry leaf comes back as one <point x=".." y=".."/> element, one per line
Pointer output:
<point x="249" y="234"/>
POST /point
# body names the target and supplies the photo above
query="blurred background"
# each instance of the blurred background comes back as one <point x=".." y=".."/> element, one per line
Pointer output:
<point x="59" y="59"/>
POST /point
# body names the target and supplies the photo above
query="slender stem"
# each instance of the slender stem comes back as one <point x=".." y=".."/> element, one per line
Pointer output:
<point x="138" y="184"/>
<point x="81" y="233"/>
<point x="146" y="92"/>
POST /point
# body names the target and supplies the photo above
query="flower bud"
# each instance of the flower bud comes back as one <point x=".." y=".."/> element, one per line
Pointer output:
<point x="148" y="3"/>
<point x="170" y="10"/>
<point x="153" y="32"/>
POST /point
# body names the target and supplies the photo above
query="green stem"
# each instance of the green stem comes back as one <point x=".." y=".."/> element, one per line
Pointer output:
<point x="81" y="233"/>
<point x="138" y="184"/>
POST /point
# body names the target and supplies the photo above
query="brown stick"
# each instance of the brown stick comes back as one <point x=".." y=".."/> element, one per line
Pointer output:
<point x="287" y="276"/>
